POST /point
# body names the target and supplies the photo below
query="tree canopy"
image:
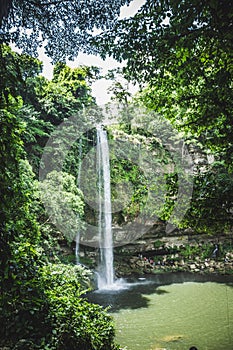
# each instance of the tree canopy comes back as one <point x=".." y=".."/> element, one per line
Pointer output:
<point x="184" y="51"/>
<point x="66" y="27"/>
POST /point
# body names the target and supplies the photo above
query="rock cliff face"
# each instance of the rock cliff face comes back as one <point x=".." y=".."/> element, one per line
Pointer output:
<point x="155" y="251"/>
<point x="156" y="238"/>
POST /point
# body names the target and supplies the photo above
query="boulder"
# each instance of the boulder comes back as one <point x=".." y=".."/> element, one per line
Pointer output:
<point x="192" y="267"/>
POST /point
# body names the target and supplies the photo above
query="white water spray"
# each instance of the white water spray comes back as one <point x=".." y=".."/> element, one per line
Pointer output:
<point x="106" y="271"/>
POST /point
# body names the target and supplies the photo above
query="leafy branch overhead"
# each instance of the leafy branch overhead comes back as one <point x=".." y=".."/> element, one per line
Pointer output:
<point x="65" y="27"/>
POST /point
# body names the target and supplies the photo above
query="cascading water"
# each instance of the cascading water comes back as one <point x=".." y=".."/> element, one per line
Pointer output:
<point x="106" y="271"/>
<point x="77" y="239"/>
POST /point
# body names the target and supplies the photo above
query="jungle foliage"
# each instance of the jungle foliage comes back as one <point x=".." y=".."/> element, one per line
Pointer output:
<point x="42" y="304"/>
<point x="180" y="53"/>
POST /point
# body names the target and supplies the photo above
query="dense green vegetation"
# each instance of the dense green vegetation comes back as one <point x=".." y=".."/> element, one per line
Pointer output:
<point x="180" y="53"/>
<point x="42" y="304"/>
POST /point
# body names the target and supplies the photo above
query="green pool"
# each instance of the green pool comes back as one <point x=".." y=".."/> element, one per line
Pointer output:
<point x="173" y="312"/>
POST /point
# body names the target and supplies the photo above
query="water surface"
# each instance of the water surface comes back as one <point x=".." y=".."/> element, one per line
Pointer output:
<point x="173" y="312"/>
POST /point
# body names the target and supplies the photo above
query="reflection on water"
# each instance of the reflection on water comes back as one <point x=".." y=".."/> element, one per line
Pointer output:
<point x="173" y="312"/>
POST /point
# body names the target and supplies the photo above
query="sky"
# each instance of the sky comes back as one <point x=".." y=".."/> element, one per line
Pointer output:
<point x="100" y="87"/>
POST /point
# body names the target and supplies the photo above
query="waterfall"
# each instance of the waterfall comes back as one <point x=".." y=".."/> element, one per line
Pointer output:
<point x="106" y="272"/>
<point x="77" y="239"/>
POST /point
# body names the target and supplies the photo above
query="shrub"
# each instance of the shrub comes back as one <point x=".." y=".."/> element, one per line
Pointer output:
<point x="51" y="313"/>
<point x="73" y="323"/>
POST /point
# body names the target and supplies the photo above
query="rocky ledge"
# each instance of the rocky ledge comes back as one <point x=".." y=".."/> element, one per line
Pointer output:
<point x="134" y="265"/>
